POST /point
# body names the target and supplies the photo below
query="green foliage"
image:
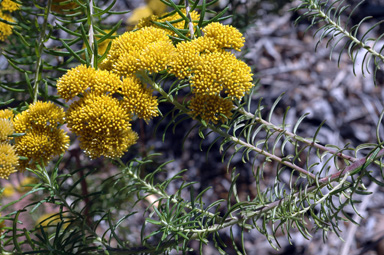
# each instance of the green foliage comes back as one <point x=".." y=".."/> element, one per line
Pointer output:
<point x="95" y="208"/>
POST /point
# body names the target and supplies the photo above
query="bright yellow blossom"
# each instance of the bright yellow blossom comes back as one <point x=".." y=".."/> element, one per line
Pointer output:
<point x="5" y="29"/>
<point x="41" y="145"/>
<point x="220" y="71"/>
<point x="43" y="139"/>
<point x="6" y="114"/>
<point x="211" y="108"/>
<point x="129" y="50"/>
<point x="9" y="5"/>
<point x="6" y="129"/>
<point x="102" y="124"/>
<point x="76" y="81"/>
<point x="157" y="56"/>
<point x="138" y="99"/>
<point x="225" y="36"/>
<point x="187" y="55"/>
<point x="113" y="146"/>
<point x="106" y="83"/>
<point x="39" y="114"/>
<point x="8" y="160"/>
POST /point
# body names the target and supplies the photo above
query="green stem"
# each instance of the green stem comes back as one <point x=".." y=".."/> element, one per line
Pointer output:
<point x="39" y="63"/>
<point x="294" y="136"/>
<point x="327" y="19"/>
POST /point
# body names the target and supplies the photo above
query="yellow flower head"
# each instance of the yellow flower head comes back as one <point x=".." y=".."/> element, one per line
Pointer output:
<point x="97" y="114"/>
<point x="8" y="160"/>
<point x="6" y="129"/>
<point x="128" y="50"/>
<point x="113" y="146"/>
<point x="138" y="99"/>
<point x="39" y="115"/>
<point x="102" y="124"/>
<point x="6" y="114"/>
<point x="221" y="70"/>
<point x="225" y="36"/>
<point x="211" y="108"/>
<point x="8" y="5"/>
<point x="5" y="29"/>
<point x="187" y="55"/>
<point x="106" y="83"/>
<point x="157" y="56"/>
<point x="43" y="139"/>
<point x="41" y="145"/>
<point x="76" y="81"/>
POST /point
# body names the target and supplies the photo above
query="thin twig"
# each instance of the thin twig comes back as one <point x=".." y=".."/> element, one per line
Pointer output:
<point x="294" y="136"/>
<point x="91" y="33"/>
<point x="190" y="23"/>
<point x="39" y="63"/>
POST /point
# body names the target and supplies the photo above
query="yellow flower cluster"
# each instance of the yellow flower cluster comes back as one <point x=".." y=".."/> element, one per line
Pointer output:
<point x="42" y="139"/>
<point x="7" y="6"/>
<point x="5" y="29"/>
<point x="149" y="48"/>
<point x="211" y="108"/>
<point x="212" y="70"/>
<point x="8" y="158"/>
<point x="101" y="117"/>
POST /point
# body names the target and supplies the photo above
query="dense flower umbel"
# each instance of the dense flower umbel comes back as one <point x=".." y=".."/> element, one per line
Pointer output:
<point x="5" y="29"/>
<point x="43" y="139"/>
<point x="10" y="6"/>
<point x="6" y="114"/>
<point x="102" y="124"/>
<point x="6" y="125"/>
<point x="6" y="129"/>
<point x="211" y="108"/>
<point x="8" y="160"/>
<point x="76" y="81"/>
<point x="221" y="71"/>
<point x="149" y="48"/>
<point x="138" y="99"/>
<point x="225" y="36"/>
